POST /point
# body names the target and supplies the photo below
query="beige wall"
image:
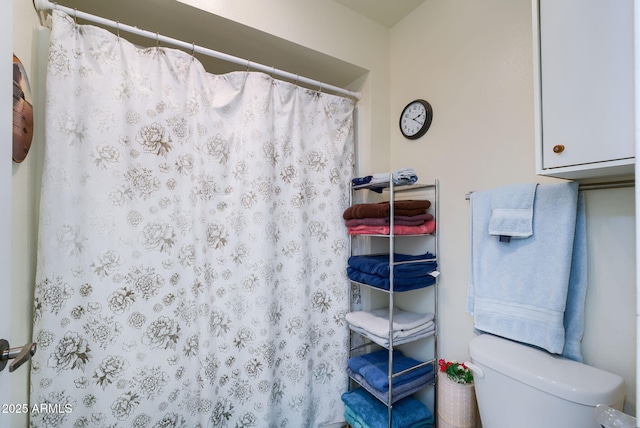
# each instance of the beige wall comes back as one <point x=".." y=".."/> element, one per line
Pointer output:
<point x="473" y="62"/>
<point x="25" y="193"/>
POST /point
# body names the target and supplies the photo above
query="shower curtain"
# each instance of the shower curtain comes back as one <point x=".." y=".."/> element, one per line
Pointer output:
<point x="191" y="257"/>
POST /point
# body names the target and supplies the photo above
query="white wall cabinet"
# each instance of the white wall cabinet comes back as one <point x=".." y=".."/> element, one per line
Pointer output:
<point x="584" y="87"/>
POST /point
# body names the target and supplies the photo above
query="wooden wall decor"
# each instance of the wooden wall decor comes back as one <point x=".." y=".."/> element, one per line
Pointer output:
<point x="22" y="112"/>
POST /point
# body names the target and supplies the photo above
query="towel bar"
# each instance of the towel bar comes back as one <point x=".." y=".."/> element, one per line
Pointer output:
<point x="592" y="186"/>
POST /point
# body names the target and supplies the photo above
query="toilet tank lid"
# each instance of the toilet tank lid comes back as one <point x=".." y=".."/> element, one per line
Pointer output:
<point x="553" y="374"/>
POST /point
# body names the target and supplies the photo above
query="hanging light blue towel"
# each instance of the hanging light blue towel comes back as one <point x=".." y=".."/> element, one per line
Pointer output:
<point x="532" y="290"/>
<point x="512" y="210"/>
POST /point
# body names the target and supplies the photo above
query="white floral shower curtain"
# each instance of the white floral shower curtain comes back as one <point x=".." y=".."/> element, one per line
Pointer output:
<point x="191" y="250"/>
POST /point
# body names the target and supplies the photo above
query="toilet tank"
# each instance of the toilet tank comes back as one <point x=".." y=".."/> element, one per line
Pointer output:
<point x="524" y="387"/>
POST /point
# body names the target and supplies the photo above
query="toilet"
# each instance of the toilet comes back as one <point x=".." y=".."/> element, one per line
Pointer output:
<point x="520" y="386"/>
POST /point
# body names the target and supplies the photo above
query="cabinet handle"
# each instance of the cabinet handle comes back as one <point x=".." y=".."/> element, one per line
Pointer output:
<point x="558" y="148"/>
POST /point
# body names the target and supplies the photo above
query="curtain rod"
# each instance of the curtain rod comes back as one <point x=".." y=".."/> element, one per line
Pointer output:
<point x="593" y="186"/>
<point x="44" y="5"/>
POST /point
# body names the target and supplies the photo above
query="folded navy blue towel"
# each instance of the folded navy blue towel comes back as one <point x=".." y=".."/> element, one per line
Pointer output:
<point x="359" y="181"/>
<point x="399" y="284"/>
<point x="374" y="367"/>
<point x="399" y="392"/>
<point x="379" y="265"/>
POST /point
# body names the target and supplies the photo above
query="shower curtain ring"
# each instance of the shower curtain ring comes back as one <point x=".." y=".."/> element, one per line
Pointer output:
<point x="193" y="51"/>
<point x="157" y="39"/>
<point x="248" y="65"/>
<point x="118" y="29"/>
<point x="75" y="16"/>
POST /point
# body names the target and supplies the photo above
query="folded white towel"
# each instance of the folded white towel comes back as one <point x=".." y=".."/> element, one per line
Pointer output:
<point x="380" y="176"/>
<point x="398" y="334"/>
<point x="428" y="330"/>
<point x="377" y="321"/>
<point x="399" y="176"/>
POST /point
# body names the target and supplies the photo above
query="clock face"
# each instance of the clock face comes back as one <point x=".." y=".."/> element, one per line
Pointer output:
<point x="415" y="119"/>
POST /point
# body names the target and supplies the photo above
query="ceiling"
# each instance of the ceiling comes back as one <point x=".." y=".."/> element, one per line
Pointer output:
<point x="385" y="12"/>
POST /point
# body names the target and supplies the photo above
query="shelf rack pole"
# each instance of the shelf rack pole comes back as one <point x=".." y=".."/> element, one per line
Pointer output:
<point x="392" y="250"/>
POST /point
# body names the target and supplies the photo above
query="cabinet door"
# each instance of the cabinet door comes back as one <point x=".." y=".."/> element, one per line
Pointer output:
<point x="586" y="65"/>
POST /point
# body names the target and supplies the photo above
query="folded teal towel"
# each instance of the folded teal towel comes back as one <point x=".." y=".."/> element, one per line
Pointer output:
<point x="532" y="290"/>
<point x="352" y="419"/>
<point x="407" y="413"/>
<point x="356" y="421"/>
<point x="512" y="210"/>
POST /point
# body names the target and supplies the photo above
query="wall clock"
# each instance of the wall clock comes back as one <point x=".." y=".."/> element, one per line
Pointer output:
<point x="415" y="119"/>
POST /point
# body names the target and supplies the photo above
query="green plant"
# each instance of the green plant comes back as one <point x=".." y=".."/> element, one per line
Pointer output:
<point x="455" y="371"/>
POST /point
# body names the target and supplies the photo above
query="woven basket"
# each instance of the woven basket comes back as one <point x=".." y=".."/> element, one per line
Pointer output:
<point x="456" y="404"/>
